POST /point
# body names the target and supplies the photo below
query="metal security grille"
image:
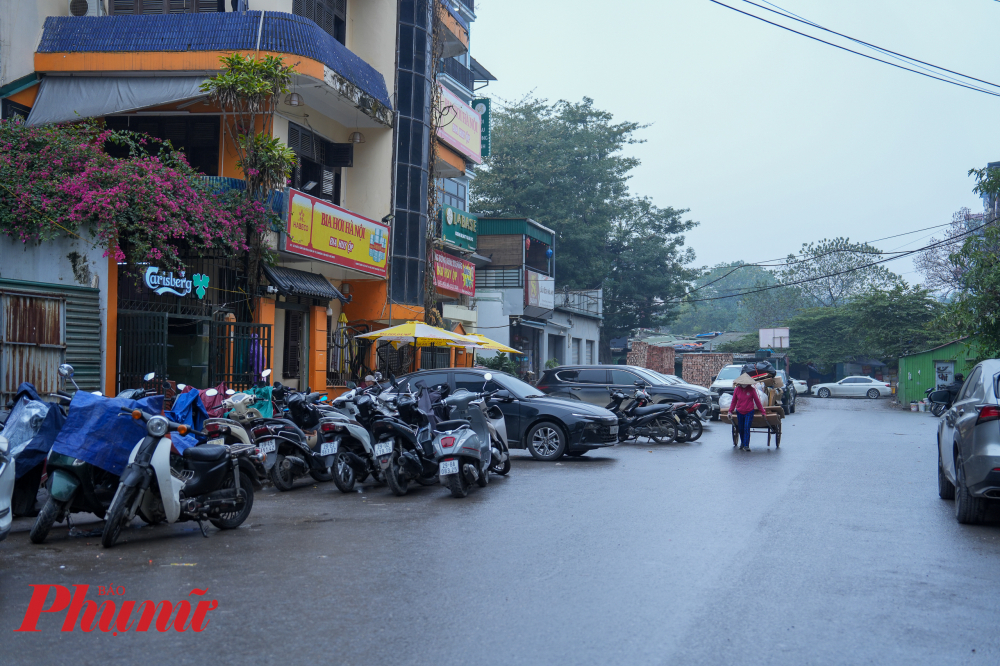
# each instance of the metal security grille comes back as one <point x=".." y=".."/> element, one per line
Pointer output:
<point x="142" y="347"/>
<point x="397" y="361"/>
<point x="346" y="354"/>
<point x="238" y="354"/>
<point x="435" y="357"/>
<point x="32" y="342"/>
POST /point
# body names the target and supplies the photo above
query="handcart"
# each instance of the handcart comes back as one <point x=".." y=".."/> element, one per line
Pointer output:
<point x="771" y="424"/>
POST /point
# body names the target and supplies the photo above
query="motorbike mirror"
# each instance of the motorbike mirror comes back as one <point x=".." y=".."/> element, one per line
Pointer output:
<point x="66" y="370"/>
<point x="940" y="396"/>
<point x="149" y="376"/>
<point x="266" y="373"/>
<point x="211" y="393"/>
<point x="324" y="398"/>
<point x="392" y="380"/>
<point x="97" y="393"/>
<point x="181" y="387"/>
<point x="488" y="376"/>
<point x="378" y="376"/>
<point x="351" y="385"/>
<point x="230" y="392"/>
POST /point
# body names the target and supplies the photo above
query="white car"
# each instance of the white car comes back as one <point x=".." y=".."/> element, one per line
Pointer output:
<point x="854" y="387"/>
<point x="801" y="387"/>
<point x="6" y="487"/>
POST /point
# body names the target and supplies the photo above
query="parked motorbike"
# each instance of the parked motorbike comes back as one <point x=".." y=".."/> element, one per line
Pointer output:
<point x="687" y="422"/>
<point x="642" y="419"/>
<point x="464" y="445"/>
<point x="207" y="482"/>
<point x="346" y="429"/>
<point x="404" y="441"/>
<point x="938" y="408"/>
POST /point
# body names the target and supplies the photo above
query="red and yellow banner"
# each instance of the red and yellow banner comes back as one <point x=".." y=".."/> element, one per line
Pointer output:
<point x="319" y="230"/>
<point x="454" y="274"/>
<point x="460" y="126"/>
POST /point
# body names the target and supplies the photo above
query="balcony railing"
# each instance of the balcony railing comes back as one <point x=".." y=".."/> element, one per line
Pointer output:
<point x="586" y="302"/>
<point x="459" y="72"/>
<point x="503" y="277"/>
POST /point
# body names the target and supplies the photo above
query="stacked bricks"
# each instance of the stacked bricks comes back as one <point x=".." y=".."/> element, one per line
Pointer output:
<point x="700" y="368"/>
<point x="660" y="359"/>
<point x="637" y="356"/>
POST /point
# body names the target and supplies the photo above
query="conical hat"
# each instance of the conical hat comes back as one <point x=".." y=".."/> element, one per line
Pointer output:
<point x="744" y="380"/>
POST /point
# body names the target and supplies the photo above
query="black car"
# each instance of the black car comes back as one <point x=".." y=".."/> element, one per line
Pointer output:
<point x="547" y="427"/>
<point x="590" y="383"/>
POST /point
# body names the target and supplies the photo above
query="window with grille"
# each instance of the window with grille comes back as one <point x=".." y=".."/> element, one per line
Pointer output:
<point x="318" y="167"/>
<point x="330" y="15"/>
<point x="165" y="6"/>
<point x="196" y="137"/>
<point x="292" y="349"/>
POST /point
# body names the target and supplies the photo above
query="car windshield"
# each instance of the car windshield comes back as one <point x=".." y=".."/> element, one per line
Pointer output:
<point x="649" y="376"/>
<point x="666" y="379"/>
<point x="516" y="387"/>
<point x="729" y="372"/>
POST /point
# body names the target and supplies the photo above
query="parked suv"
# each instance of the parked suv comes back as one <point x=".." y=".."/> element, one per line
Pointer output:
<point x="723" y="383"/>
<point x="590" y="383"/>
<point x="968" y="441"/>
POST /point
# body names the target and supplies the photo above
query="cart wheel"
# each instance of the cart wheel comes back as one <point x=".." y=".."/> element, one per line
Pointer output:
<point x="736" y="436"/>
<point x="777" y="436"/>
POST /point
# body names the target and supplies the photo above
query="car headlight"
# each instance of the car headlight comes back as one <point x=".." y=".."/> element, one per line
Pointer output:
<point x="157" y="426"/>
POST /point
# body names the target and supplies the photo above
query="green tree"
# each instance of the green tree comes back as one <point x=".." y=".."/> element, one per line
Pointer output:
<point x="833" y="271"/>
<point x="708" y="308"/>
<point x="824" y="336"/>
<point x="747" y="344"/>
<point x="769" y="308"/>
<point x="562" y="164"/>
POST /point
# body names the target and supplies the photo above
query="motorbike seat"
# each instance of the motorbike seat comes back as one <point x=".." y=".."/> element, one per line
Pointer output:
<point x="649" y="409"/>
<point x="205" y="453"/>
<point x="454" y="424"/>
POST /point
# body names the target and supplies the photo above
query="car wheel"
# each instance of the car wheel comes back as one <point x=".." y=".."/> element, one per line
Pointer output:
<point x="969" y="510"/>
<point x="824" y="393"/>
<point x="546" y="441"/>
<point x="791" y="409"/>
<point x="874" y="394"/>
<point x="946" y="489"/>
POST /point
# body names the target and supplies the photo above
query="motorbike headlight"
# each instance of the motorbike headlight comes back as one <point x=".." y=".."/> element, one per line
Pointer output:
<point x="4" y="445"/>
<point x="157" y="426"/>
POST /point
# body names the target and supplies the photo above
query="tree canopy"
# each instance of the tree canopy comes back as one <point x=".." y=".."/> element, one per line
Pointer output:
<point x="832" y="271"/>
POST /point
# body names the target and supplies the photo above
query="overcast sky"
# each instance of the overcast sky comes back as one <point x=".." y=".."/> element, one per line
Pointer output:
<point x="770" y="139"/>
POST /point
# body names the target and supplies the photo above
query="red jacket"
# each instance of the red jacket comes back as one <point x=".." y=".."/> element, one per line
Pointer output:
<point x="745" y="398"/>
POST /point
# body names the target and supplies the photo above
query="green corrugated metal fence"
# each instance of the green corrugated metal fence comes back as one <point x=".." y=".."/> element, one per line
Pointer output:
<point x="917" y="372"/>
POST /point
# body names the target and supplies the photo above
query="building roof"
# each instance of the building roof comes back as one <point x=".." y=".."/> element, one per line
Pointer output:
<point x="224" y="31"/>
<point x="292" y="282"/>
<point x="936" y="348"/>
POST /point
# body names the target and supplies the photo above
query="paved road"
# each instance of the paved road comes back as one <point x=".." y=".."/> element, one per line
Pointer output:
<point x="833" y="550"/>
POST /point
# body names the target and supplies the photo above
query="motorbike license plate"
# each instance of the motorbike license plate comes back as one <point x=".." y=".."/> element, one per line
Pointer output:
<point x="614" y="430"/>
<point x="383" y="448"/>
<point x="217" y="440"/>
<point x="268" y="447"/>
<point x="328" y="448"/>
<point x="448" y="467"/>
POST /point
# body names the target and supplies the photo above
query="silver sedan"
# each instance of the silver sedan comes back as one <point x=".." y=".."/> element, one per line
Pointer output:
<point x="969" y="444"/>
<point x="854" y="387"/>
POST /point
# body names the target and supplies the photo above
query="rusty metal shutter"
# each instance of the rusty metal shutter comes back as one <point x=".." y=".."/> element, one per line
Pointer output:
<point x="43" y="325"/>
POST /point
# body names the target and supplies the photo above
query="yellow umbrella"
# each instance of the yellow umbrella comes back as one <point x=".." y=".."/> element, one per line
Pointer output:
<point x="485" y="343"/>
<point x="418" y="334"/>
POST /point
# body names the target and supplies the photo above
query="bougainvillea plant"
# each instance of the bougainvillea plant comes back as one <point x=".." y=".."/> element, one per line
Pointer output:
<point x="148" y="206"/>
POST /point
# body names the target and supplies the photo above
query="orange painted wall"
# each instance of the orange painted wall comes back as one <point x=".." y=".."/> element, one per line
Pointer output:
<point x="26" y="97"/>
<point x="111" y="346"/>
<point x="454" y="26"/>
<point x="159" y="61"/>
<point x="317" y="348"/>
<point x="265" y="315"/>
<point x="369" y="304"/>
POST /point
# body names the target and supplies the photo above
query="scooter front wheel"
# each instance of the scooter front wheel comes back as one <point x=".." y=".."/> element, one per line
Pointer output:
<point x="45" y="520"/>
<point x="696" y="428"/>
<point x="662" y="431"/>
<point x="117" y="515"/>
<point x="503" y="469"/>
<point x="397" y="485"/>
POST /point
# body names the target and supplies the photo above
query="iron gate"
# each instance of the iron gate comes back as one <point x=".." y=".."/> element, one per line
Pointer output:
<point x="142" y="347"/>
<point x="238" y="354"/>
<point x="397" y="361"/>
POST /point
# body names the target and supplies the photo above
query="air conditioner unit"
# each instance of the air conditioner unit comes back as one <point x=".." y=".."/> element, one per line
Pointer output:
<point x="86" y="8"/>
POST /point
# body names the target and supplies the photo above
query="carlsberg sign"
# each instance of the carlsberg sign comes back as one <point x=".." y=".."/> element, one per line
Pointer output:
<point x="166" y="283"/>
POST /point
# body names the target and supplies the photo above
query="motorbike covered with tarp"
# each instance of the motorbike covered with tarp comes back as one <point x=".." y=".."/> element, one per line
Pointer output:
<point x="97" y="431"/>
<point x="188" y="409"/>
<point x="31" y="428"/>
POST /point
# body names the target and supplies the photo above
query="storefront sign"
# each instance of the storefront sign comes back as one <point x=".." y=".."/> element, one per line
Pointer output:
<point x="162" y="283"/>
<point x="454" y="274"/>
<point x="459" y="227"/>
<point x="459" y="125"/>
<point x="319" y="230"/>
<point x="539" y="290"/>
<point x="482" y="107"/>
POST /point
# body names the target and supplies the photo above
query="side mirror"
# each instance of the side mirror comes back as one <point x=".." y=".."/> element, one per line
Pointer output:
<point x="324" y="398"/>
<point x="503" y="395"/>
<point x="149" y="376"/>
<point x="66" y="370"/>
<point x="211" y="393"/>
<point x="266" y="373"/>
<point x="230" y="392"/>
<point x="97" y="393"/>
<point x="940" y="396"/>
<point x="488" y="376"/>
<point x="351" y="385"/>
<point x="181" y="387"/>
<point x="713" y="378"/>
<point x="378" y="376"/>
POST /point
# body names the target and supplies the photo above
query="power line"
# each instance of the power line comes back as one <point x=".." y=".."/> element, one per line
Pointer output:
<point x="800" y="19"/>
<point x="863" y="55"/>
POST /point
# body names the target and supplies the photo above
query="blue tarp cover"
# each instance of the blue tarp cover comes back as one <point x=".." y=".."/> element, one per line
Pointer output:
<point x="98" y="432"/>
<point x="36" y="449"/>
<point x="189" y="410"/>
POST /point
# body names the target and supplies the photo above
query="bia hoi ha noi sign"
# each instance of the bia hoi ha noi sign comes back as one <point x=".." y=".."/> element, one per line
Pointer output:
<point x="454" y="274"/>
<point x="459" y="227"/>
<point x="319" y="230"/>
<point x="459" y="126"/>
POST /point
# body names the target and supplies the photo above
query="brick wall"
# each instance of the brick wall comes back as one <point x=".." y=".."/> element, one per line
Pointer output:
<point x="656" y="358"/>
<point x="638" y="354"/>
<point x="700" y="368"/>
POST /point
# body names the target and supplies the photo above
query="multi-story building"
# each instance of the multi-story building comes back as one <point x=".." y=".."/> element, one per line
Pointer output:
<point x="139" y="64"/>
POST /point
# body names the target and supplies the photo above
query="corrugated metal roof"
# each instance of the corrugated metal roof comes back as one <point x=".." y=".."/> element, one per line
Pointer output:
<point x="229" y="31"/>
<point x="290" y="281"/>
<point x="516" y="226"/>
